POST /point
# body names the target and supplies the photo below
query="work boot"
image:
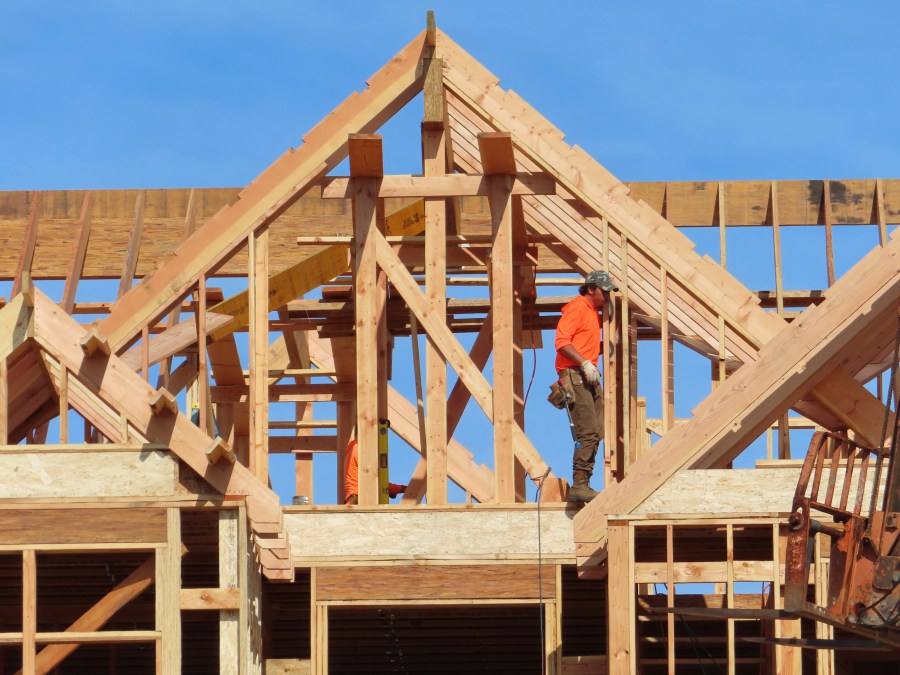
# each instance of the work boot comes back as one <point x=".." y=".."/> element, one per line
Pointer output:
<point x="581" y="490"/>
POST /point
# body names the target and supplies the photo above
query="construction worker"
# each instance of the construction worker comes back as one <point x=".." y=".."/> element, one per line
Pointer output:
<point x="351" y="476"/>
<point x="578" y="348"/>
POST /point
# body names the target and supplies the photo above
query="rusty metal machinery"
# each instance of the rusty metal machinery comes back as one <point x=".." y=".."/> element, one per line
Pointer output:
<point x="850" y="494"/>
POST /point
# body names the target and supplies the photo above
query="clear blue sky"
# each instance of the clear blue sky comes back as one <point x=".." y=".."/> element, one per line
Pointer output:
<point x="106" y="94"/>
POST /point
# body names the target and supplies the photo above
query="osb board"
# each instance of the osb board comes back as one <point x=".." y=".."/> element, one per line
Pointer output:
<point x="112" y="212"/>
<point x="724" y="491"/>
<point x="82" y="526"/>
<point x="737" y="491"/>
<point x="472" y="533"/>
<point x="435" y="582"/>
<point x="87" y="474"/>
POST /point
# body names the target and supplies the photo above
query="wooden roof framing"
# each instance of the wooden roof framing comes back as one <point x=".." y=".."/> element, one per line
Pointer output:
<point x="581" y="212"/>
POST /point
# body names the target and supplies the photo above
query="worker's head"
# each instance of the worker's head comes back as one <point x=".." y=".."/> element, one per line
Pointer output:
<point x="598" y="279"/>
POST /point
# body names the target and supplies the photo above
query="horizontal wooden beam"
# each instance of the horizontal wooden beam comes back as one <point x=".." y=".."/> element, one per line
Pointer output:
<point x="451" y="185"/>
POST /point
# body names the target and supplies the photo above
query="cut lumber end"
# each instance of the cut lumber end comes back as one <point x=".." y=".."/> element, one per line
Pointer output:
<point x="430" y="29"/>
<point x="366" y="159"/>
<point x="497" y="155"/>
<point x="27" y="289"/>
<point x="95" y="342"/>
<point x="219" y="450"/>
<point x="163" y="400"/>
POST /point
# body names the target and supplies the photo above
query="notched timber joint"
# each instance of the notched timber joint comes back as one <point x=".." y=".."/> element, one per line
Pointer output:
<point x="218" y="450"/>
<point x="95" y="342"/>
<point x="163" y="401"/>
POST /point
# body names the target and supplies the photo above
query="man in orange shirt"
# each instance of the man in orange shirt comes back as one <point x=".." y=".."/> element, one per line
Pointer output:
<point x="578" y="348"/>
<point x="351" y="476"/>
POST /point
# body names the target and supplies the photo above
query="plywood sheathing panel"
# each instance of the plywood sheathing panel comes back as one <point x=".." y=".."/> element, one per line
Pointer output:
<point x="68" y="474"/>
<point x="423" y="533"/>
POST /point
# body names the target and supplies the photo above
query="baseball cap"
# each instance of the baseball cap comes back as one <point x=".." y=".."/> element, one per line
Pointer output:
<point x="602" y="280"/>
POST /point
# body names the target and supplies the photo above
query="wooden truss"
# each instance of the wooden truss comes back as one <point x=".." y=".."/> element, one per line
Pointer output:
<point x="501" y="193"/>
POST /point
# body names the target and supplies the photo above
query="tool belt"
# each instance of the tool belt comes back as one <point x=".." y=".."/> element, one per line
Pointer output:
<point x="562" y="395"/>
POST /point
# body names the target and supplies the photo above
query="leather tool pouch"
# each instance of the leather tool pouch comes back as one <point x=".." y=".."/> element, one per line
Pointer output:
<point x="561" y="394"/>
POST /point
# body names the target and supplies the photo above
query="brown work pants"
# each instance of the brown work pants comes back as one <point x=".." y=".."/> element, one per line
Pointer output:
<point x="587" y="416"/>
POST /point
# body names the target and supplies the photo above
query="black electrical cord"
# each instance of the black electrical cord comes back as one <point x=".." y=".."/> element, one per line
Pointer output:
<point x="541" y="573"/>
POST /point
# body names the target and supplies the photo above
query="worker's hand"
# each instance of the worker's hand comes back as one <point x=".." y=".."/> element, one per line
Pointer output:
<point x="394" y="490"/>
<point x="590" y="372"/>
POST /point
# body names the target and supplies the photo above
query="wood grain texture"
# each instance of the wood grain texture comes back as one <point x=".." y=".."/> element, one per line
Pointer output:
<point x="436" y="582"/>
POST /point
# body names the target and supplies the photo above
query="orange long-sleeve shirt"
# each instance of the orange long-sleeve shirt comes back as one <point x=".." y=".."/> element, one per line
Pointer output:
<point x="578" y="326"/>
<point x="351" y="473"/>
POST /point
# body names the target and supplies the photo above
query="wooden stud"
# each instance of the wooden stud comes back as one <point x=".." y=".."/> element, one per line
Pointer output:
<point x="168" y="590"/>
<point x="720" y="217"/>
<point x="879" y="214"/>
<point x="670" y="598"/>
<point x="729" y="590"/>
<point x="4" y="401"/>
<point x="366" y="308"/>
<point x="76" y="265"/>
<point x="29" y="611"/>
<point x="202" y="368"/>
<point x="498" y="160"/>
<point x="259" y="354"/>
<point x="134" y="245"/>
<point x="829" y="239"/>
<point x="420" y="404"/>
<point x="229" y="579"/>
<point x="63" y="404"/>
<point x="145" y="353"/>
<point x="776" y="241"/>
<point x="667" y="345"/>
<point x="26" y="257"/>
<point x="620" y="593"/>
<point x="434" y="163"/>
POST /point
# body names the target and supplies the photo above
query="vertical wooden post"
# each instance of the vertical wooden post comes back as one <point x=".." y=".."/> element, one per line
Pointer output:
<point x="23" y="266"/>
<point x="829" y="240"/>
<point x="76" y="265"/>
<point x="502" y="313"/>
<point x="499" y="166"/>
<point x="202" y="370"/>
<point x="313" y="625"/>
<point x="229" y="577"/>
<point x="729" y="591"/>
<point x="145" y="353"/>
<point x="434" y="163"/>
<point x="258" y="244"/>
<point x="366" y="303"/>
<point x="134" y="245"/>
<point x="720" y="216"/>
<point x="168" y="592"/>
<point x="776" y="242"/>
<point x="29" y="611"/>
<point x="251" y="600"/>
<point x="668" y="356"/>
<point x="63" y="404"/>
<point x="522" y="286"/>
<point x="620" y="590"/>
<point x="879" y="214"/>
<point x="4" y="402"/>
<point x="670" y="599"/>
<point x="623" y="404"/>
